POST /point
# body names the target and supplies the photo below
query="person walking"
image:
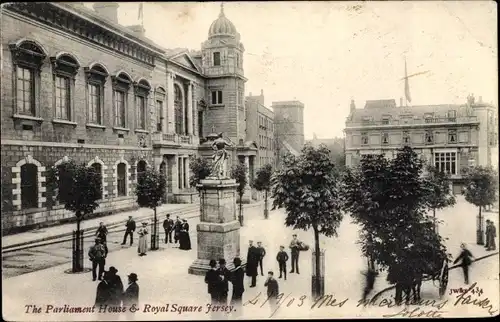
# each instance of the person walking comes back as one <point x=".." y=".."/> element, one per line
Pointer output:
<point x="212" y="279"/>
<point x="168" y="226"/>
<point x="116" y="286"/>
<point x="184" y="239"/>
<point x="490" y="237"/>
<point x="466" y="258"/>
<point x="102" y="233"/>
<point x="131" y="294"/>
<point x="262" y="253"/>
<point x="130" y="228"/>
<point x="295" y="250"/>
<point x="97" y="254"/>
<point x="282" y="258"/>
<point x="143" y="242"/>
<point x="252" y="262"/>
<point x="177" y="230"/>
<point x="272" y="290"/>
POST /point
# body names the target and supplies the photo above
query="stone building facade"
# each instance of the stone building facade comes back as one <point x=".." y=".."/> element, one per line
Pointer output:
<point x="450" y="137"/>
<point x="289" y="127"/>
<point x="77" y="85"/>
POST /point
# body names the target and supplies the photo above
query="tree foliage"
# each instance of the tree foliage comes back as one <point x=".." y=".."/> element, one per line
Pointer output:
<point x="439" y="191"/>
<point x="79" y="188"/>
<point x="239" y="173"/>
<point x="262" y="180"/>
<point x="306" y="186"/>
<point x="389" y="199"/>
<point x="150" y="189"/>
<point x="200" y="169"/>
<point x="481" y="185"/>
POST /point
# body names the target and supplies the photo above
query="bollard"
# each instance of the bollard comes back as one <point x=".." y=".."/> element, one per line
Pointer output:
<point x="480" y="231"/>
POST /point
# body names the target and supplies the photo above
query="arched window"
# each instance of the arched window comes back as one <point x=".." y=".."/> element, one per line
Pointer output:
<point x="160" y="113"/>
<point x="121" y="180"/>
<point x="98" y="169"/>
<point x="121" y="86"/>
<point x="96" y="77"/>
<point x="178" y="109"/>
<point x="141" y="97"/>
<point x="29" y="186"/>
<point x="141" y="168"/>
<point x="28" y="59"/>
<point x="65" y="67"/>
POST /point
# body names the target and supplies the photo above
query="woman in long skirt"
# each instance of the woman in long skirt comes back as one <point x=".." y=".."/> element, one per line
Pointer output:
<point x="185" y="240"/>
<point x="143" y="242"/>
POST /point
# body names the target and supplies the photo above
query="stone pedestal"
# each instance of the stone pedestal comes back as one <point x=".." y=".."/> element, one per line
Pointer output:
<point x="219" y="230"/>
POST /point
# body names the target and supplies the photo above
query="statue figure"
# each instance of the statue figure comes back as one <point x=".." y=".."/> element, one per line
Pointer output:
<point x="219" y="157"/>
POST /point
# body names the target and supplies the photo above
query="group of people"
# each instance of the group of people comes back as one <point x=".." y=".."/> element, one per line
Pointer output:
<point x="180" y="230"/>
<point x="143" y="232"/>
<point x="218" y="278"/>
<point x="255" y="256"/>
<point x="110" y="290"/>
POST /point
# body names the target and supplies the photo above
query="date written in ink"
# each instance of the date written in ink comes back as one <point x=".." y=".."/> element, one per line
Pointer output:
<point x="474" y="291"/>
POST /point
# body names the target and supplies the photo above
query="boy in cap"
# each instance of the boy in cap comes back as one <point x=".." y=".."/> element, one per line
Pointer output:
<point x="225" y="276"/>
<point x="282" y="258"/>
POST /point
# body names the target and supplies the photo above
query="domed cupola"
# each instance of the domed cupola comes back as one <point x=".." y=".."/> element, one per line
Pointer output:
<point x="222" y="26"/>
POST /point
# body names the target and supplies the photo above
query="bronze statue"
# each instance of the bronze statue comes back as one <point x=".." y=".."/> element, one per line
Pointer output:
<point x="219" y="157"/>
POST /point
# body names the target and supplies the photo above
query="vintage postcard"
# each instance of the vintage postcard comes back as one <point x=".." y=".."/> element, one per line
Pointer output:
<point x="249" y="160"/>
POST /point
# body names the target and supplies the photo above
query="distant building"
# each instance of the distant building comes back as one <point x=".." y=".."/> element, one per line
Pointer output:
<point x="260" y="128"/>
<point x="335" y="145"/>
<point x="289" y="127"/>
<point x="450" y="137"/>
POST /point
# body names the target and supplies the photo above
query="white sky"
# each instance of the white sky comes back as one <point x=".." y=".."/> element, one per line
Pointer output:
<point x="325" y="53"/>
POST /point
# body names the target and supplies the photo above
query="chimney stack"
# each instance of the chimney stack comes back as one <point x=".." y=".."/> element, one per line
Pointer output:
<point x="353" y="106"/>
<point x="138" y="30"/>
<point x="107" y="10"/>
<point x="400" y="101"/>
<point x="480" y="99"/>
<point x="261" y="92"/>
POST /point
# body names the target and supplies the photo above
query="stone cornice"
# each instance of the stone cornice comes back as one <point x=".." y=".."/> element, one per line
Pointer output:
<point x="65" y="19"/>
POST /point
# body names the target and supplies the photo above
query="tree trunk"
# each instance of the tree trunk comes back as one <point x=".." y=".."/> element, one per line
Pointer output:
<point x="434" y="215"/>
<point x="266" y="211"/>
<point x="318" y="263"/>
<point x="480" y="236"/>
<point x="77" y="263"/>
<point x="241" y="209"/>
<point x="154" y="232"/>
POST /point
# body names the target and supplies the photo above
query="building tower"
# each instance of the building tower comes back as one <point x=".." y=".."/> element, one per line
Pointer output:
<point x="289" y="124"/>
<point x="222" y="63"/>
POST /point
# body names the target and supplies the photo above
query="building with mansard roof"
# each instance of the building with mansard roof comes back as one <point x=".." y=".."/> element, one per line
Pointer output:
<point x="77" y="85"/>
<point x="449" y="136"/>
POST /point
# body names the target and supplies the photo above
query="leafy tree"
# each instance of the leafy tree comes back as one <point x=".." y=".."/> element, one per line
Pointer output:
<point x="200" y="169"/>
<point x="239" y="173"/>
<point x="151" y="186"/>
<point x="263" y="183"/>
<point x="306" y="186"/>
<point x="396" y="231"/>
<point x="440" y="195"/>
<point x="481" y="185"/>
<point x="79" y="188"/>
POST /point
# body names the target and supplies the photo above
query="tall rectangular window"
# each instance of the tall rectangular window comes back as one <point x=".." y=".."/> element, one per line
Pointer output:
<point x="216" y="58"/>
<point x="141" y="112"/>
<point x="446" y="162"/>
<point x="94" y="104"/>
<point x="120" y="108"/>
<point x="25" y="91"/>
<point x="159" y="115"/>
<point x="62" y="98"/>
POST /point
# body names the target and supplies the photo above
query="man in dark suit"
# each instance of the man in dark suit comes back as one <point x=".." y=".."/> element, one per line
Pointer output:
<point x="97" y="254"/>
<point x="225" y="276"/>
<point x="168" y="226"/>
<point x="295" y="250"/>
<point x="130" y="228"/>
<point x="131" y="294"/>
<point x="252" y="262"/>
<point x="262" y="253"/>
<point x="237" y="277"/>
<point x="282" y="258"/>
<point x="213" y="279"/>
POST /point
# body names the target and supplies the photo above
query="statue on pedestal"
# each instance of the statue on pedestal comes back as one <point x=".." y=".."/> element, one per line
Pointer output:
<point x="219" y="157"/>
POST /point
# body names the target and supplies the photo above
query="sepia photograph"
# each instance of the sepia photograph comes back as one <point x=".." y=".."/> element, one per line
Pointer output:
<point x="249" y="160"/>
